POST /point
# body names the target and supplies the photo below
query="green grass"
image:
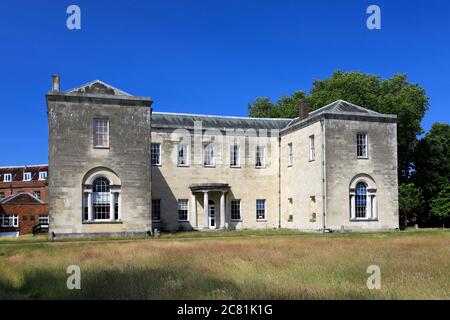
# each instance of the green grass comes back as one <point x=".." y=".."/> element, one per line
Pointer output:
<point x="269" y="264"/>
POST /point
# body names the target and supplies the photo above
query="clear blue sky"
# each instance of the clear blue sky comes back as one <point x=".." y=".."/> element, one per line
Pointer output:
<point x="210" y="56"/>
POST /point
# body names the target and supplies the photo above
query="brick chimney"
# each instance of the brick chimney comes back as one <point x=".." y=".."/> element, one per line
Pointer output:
<point x="303" y="110"/>
<point x="55" y="83"/>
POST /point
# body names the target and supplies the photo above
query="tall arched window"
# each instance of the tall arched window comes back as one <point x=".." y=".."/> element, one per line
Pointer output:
<point x="101" y="199"/>
<point x="363" y="204"/>
<point x="101" y="196"/>
<point x="361" y="200"/>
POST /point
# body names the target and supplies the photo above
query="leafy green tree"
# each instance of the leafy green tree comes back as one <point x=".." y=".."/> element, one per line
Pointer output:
<point x="432" y="165"/>
<point x="395" y="95"/>
<point x="440" y="204"/>
<point x="263" y="108"/>
<point x="411" y="202"/>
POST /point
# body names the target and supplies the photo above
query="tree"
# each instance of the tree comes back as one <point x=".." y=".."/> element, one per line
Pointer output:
<point x="411" y="202"/>
<point x="440" y="204"/>
<point x="263" y="108"/>
<point x="395" y="95"/>
<point x="432" y="165"/>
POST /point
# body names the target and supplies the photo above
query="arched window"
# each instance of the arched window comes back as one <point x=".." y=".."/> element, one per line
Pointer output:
<point x="363" y="204"/>
<point x="361" y="200"/>
<point x="101" y="196"/>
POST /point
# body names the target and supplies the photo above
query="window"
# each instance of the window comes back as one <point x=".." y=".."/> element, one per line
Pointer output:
<point x="235" y="155"/>
<point x="183" y="154"/>
<point x="2" y="195"/>
<point x="235" y="210"/>
<point x="7" y="177"/>
<point x="290" y="155"/>
<point x="9" y="220"/>
<point x="361" y="200"/>
<point x="361" y="145"/>
<point x="156" y="209"/>
<point x="260" y="157"/>
<point x="209" y="160"/>
<point x="156" y="154"/>
<point x="312" y="149"/>
<point x="101" y="199"/>
<point x="43" y="219"/>
<point x="27" y="176"/>
<point x="42" y="175"/>
<point x="260" y="209"/>
<point x="37" y="194"/>
<point x="182" y="210"/>
<point x="101" y="133"/>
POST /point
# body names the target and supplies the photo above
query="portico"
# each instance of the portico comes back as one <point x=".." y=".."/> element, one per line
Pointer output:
<point x="209" y="191"/>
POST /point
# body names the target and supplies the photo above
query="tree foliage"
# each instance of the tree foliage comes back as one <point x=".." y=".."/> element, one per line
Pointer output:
<point x="432" y="165"/>
<point x="411" y="201"/>
<point x="440" y="204"/>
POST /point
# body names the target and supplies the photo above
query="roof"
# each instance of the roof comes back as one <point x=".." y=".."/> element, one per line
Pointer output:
<point x="184" y="120"/>
<point x="18" y="172"/>
<point x="339" y="107"/>
<point x="98" y="87"/>
<point x="21" y="198"/>
<point x="169" y="120"/>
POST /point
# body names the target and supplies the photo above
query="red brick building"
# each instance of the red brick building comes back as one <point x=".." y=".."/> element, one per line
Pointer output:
<point x="21" y="212"/>
<point x="23" y="199"/>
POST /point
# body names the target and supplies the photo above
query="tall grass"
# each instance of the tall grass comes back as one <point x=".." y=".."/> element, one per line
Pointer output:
<point x="266" y="266"/>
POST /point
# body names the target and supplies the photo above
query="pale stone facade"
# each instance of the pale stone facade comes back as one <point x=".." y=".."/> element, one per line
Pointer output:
<point x="332" y="169"/>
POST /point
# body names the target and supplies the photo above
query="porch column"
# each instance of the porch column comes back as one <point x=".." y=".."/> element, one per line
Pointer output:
<point x="205" y="209"/>
<point x="194" y="211"/>
<point x="222" y="210"/>
<point x="352" y="207"/>
<point x="369" y="206"/>
<point x="111" y="206"/>
<point x="89" y="205"/>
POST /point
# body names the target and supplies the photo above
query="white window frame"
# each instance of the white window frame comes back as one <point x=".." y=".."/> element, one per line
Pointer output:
<point x="235" y="154"/>
<point x="7" y="177"/>
<point x="364" y="146"/>
<point x="42" y="175"/>
<point x="264" y="208"/>
<point x="185" y="147"/>
<point x="11" y="218"/>
<point x="290" y="155"/>
<point x="312" y="148"/>
<point x="97" y="132"/>
<point x="153" y="147"/>
<point x="209" y="154"/>
<point x="27" y="176"/>
<point x="183" y="204"/>
<point x="261" y="150"/>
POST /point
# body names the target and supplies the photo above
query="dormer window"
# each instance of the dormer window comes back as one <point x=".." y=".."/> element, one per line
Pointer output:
<point x="7" y="177"/>
<point x="42" y="175"/>
<point x="27" y="176"/>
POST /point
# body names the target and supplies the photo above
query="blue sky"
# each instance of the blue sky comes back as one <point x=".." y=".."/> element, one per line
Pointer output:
<point x="210" y="57"/>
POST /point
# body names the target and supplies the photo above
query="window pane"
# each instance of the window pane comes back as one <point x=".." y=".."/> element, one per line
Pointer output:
<point x="260" y="209"/>
<point x="156" y="209"/>
<point x="101" y="199"/>
<point x="101" y="133"/>
<point x="182" y="210"/>
<point x="156" y="153"/>
<point x="236" y="209"/>
<point x="361" y="200"/>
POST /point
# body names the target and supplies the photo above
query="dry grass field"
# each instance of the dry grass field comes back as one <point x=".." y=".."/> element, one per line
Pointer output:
<point x="235" y="265"/>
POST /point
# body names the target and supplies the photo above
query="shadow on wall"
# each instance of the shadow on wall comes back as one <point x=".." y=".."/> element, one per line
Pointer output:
<point x="169" y="205"/>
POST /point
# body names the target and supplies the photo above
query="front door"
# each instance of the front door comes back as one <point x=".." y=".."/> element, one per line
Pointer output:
<point x="212" y="214"/>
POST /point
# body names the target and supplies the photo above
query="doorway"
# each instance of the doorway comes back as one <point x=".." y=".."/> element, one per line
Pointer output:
<point x="212" y="214"/>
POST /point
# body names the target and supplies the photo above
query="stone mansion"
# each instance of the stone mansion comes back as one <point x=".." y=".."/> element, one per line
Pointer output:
<point x="118" y="168"/>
